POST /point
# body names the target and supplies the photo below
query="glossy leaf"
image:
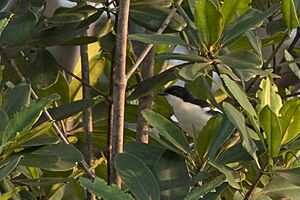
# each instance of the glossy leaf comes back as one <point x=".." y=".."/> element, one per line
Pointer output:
<point x="3" y="4"/>
<point x="151" y="17"/>
<point x="100" y="188"/>
<point x="271" y="126"/>
<point x="289" y="121"/>
<point x="137" y="177"/>
<point x="172" y="175"/>
<point x="204" y="189"/>
<point x="209" y="22"/>
<point x="251" y="19"/>
<point x="167" y="129"/>
<point x="16" y="98"/>
<point x="293" y="66"/>
<point x="238" y="120"/>
<point x="192" y="71"/>
<point x="233" y="8"/>
<point x="154" y="82"/>
<point x="291" y="175"/>
<point x="231" y="175"/>
<point x="289" y="14"/>
<point x="23" y="120"/>
<point x="223" y="133"/>
<point x="239" y="95"/>
<point x="158" y="39"/>
<point x="9" y="167"/>
<point x="205" y="139"/>
<point x="43" y="71"/>
<point x="20" y="29"/>
<point x="245" y="63"/>
<point x="236" y="153"/>
<point x="268" y="96"/>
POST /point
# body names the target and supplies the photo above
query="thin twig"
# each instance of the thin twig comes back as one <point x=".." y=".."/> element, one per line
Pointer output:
<point x="291" y="95"/>
<point x="144" y="53"/>
<point x="82" y="163"/>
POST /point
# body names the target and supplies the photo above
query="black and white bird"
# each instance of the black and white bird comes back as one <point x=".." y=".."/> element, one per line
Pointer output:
<point x="192" y="114"/>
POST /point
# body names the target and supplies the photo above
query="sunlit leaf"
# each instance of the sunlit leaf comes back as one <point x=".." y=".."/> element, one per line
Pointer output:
<point x="231" y="175"/>
<point x="234" y="8"/>
<point x="293" y="66"/>
<point x="289" y="13"/>
<point x="9" y="167"/>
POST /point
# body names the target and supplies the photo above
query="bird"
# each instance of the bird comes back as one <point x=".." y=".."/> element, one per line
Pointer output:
<point x="192" y="114"/>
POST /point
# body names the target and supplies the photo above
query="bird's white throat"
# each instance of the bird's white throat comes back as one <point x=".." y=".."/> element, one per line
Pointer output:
<point x="191" y="117"/>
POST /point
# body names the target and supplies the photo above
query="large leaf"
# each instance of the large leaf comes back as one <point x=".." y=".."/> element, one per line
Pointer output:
<point x="148" y="153"/>
<point x="289" y="121"/>
<point x="209" y="22"/>
<point x="152" y="16"/>
<point x="16" y="98"/>
<point x="233" y="8"/>
<point x="167" y="129"/>
<point x="223" y="133"/>
<point x="204" y="189"/>
<point x="239" y="95"/>
<point x="291" y="175"/>
<point x="192" y="71"/>
<point x="271" y="126"/>
<point x="100" y="188"/>
<point x="54" y="157"/>
<point x="268" y="96"/>
<point x="205" y="139"/>
<point x="158" y="39"/>
<point x="251" y="19"/>
<point x="23" y="120"/>
<point x="238" y="120"/>
<point x="172" y="175"/>
<point x="245" y="63"/>
<point x="19" y="29"/>
<point x="293" y="66"/>
<point x="4" y="120"/>
<point x="9" y="167"/>
<point x="154" y="82"/>
<point x="137" y="177"/>
<point x="289" y="14"/>
<point x="43" y="71"/>
<point x="279" y="187"/>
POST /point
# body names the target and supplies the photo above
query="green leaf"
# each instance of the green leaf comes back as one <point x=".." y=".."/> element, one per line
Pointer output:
<point x="137" y="177"/>
<point x="158" y="39"/>
<point x="231" y="176"/>
<point x="154" y="82"/>
<point x="205" y="139"/>
<point x="148" y="153"/>
<point x="151" y="17"/>
<point x="53" y="157"/>
<point x="239" y="95"/>
<point x="279" y="187"/>
<point x="179" y="56"/>
<point x="204" y="189"/>
<point x="41" y="140"/>
<point x="9" y="167"/>
<point x="238" y="120"/>
<point x="4" y="120"/>
<point x="20" y="29"/>
<point x="167" y="129"/>
<point x="233" y="8"/>
<point x="251" y="19"/>
<point x="236" y="153"/>
<point x="16" y="98"/>
<point x="271" y="126"/>
<point x="80" y="41"/>
<point x="192" y="71"/>
<point x="43" y="71"/>
<point x="245" y="63"/>
<point x="223" y="133"/>
<point x="294" y="67"/>
<point x="75" y="14"/>
<point x="100" y="188"/>
<point x="289" y="13"/>
<point x="268" y="96"/>
<point x="3" y="3"/>
<point x="289" y="121"/>
<point x="209" y="22"/>
<point x="172" y="175"/>
<point x="23" y="120"/>
<point x="291" y="175"/>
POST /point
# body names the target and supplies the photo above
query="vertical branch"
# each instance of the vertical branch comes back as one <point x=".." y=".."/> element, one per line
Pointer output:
<point x="87" y="113"/>
<point x="120" y="83"/>
<point x="147" y="71"/>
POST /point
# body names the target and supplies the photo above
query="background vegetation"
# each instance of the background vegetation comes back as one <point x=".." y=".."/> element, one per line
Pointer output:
<point x="241" y="56"/>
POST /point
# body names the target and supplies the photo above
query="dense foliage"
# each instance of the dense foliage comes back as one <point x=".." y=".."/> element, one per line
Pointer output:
<point x="241" y="56"/>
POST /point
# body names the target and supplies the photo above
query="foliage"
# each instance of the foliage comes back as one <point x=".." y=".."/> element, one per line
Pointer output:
<point x="250" y="151"/>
